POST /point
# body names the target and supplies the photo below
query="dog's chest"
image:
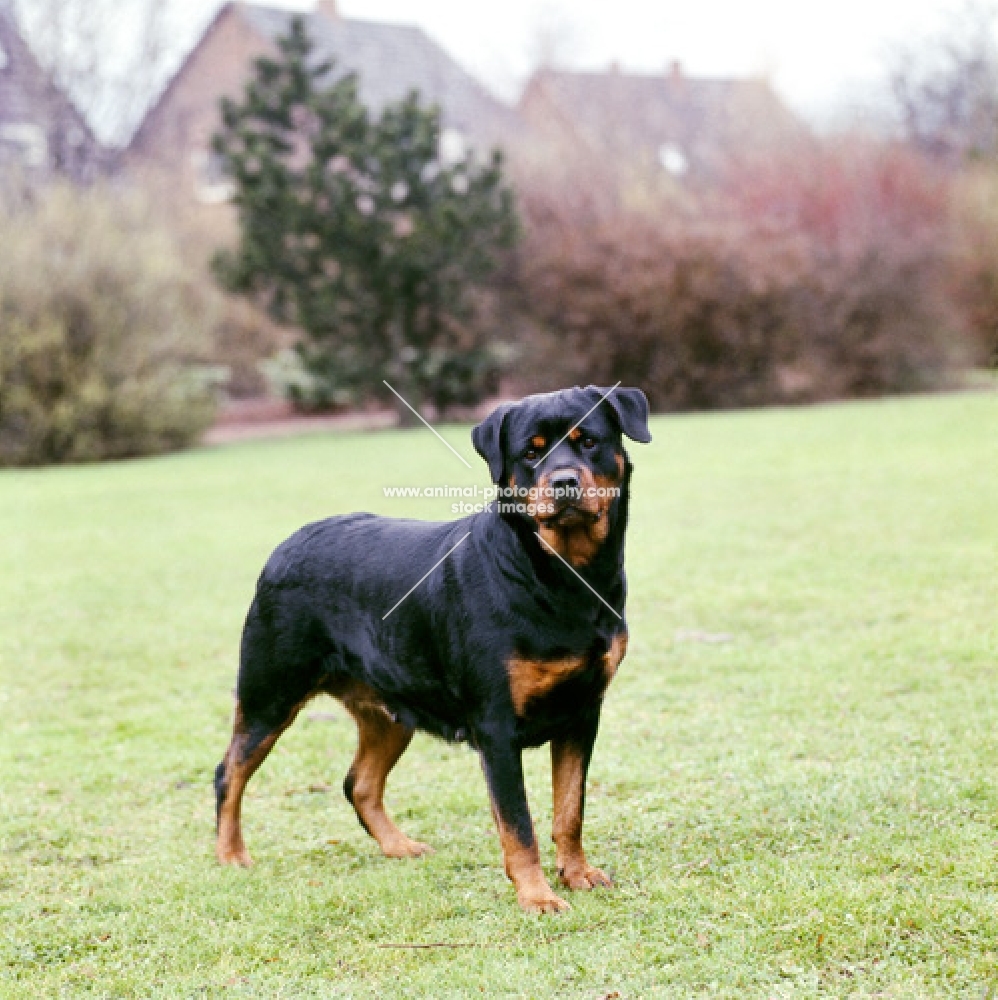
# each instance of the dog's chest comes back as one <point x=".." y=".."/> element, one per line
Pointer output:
<point x="535" y="682"/>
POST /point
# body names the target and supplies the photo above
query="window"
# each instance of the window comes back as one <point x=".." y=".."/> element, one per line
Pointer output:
<point x="4" y="60"/>
<point x="26" y="141"/>
<point x="673" y="159"/>
<point x="211" y="185"/>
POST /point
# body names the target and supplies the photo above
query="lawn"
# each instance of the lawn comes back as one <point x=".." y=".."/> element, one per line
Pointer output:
<point x="796" y="783"/>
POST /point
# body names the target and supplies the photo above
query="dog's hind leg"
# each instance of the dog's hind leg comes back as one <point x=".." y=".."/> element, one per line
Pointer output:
<point x="380" y="743"/>
<point x="252" y="739"/>
<point x="277" y="675"/>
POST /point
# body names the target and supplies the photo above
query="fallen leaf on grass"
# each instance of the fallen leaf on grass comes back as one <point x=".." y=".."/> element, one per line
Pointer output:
<point x="691" y="866"/>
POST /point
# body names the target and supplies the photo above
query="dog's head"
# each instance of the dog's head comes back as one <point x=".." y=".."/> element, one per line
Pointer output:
<point x="560" y="458"/>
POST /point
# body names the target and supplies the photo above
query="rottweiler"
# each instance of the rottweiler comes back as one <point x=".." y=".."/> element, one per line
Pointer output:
<point x="502" y="629"/>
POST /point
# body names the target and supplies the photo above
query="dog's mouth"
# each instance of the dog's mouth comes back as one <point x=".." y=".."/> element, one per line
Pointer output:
<point x="570" y="515"/>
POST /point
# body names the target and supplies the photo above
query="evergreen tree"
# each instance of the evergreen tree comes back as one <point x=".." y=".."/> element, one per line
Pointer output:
<point x="354" y="229"/>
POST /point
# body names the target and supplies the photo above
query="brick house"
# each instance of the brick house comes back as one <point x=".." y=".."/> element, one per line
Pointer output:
<point x="41" y="132"/>
<point x="390" y="60"/>
<point x="691" y="128"/>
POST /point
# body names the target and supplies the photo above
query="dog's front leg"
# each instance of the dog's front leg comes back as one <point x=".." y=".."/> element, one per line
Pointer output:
<point x="570" y="757"/>
<point x="503" y="768"/>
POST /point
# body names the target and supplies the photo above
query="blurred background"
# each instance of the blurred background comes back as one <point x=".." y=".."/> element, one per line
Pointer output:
<point x="728" y="206"/>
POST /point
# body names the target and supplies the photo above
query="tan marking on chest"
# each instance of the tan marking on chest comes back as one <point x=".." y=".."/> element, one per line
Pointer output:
<point x="531" y="679"/>
<point x="576" y="545"/>
<point x="613" y="656"/>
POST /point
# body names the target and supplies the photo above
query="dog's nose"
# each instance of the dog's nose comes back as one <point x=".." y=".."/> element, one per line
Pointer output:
<point x="565" y="481"/>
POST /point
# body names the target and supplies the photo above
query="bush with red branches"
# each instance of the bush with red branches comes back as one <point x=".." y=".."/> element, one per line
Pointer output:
<point x="819" y="275"/>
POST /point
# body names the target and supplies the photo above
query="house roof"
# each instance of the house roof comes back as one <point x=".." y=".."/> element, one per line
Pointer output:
<point x="392" y="59"/>
<point x="707" y="122"/>
<point x="21" y="78"/>
<point x="29" y="97"/>
<point x="389" y="59"/>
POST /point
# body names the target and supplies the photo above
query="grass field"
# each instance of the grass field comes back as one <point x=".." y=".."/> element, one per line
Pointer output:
<point x="808" y="808"/>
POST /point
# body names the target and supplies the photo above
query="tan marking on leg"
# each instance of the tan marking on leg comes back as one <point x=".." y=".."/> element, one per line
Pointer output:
<point x="380" y="743"/>
<point x="523" y="868"/>
<point x="230" y="849"/>
<point x="568" y="785"/>
<point x="530" y="679"/>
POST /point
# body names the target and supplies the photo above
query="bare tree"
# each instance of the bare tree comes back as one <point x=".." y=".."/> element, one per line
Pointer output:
<point x="110" y="56"/>
<point x="555" y="37"/>
<point x="945" y="87"/>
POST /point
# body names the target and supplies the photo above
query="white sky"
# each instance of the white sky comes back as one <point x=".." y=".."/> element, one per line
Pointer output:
<point x="817" y="54"/>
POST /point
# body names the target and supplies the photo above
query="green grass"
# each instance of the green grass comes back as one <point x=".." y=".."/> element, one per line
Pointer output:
<point x="809" y="809"/>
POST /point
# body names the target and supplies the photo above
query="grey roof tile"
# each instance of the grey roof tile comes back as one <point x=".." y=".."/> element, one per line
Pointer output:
<point x="392" y="59"/>
<point x="710" y="120"/>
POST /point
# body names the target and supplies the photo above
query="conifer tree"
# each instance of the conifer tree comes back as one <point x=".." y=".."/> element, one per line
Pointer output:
<point x="355" y="229"/>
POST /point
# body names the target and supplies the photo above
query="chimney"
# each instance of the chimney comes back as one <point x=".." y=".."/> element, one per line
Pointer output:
<point x="675" y="70"/>
<point x="615" y="67"/>
<point x="327" y="8"/>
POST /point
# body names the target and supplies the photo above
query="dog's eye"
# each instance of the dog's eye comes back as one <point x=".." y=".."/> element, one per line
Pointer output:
<point x="589" y="443"/>
<point x="530" y="454"/>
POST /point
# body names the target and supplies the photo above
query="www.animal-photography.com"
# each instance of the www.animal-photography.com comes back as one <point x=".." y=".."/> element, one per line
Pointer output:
<point x="498" y="502"/>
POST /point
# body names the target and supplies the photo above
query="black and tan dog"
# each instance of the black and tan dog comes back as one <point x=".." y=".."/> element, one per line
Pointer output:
<point x="509" y="642"/>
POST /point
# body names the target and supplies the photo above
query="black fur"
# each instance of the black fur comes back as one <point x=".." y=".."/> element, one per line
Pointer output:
<point x="439" y="661"/>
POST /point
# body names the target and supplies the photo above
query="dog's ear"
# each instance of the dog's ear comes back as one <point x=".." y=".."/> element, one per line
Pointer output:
<point x="487" y="439"/>
<point x="630" y="407"/>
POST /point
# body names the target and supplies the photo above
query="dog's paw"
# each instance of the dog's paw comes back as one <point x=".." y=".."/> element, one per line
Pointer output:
<point x="584" y="877"/>
<point x="238" y="857"/>
<point x="541" y="900"/>
<point x="405" y="847"/>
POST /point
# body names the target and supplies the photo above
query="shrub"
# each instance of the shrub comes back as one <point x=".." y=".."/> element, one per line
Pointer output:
<point x="242" y="334"/>
<point x="975" y="261"/>
<point x="808" y="279"/>
<point x="101" y="332"/>
<point x="242" y="337"/>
